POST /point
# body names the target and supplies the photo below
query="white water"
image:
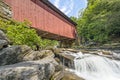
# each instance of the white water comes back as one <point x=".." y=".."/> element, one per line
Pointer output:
<point x="94" y="67"/>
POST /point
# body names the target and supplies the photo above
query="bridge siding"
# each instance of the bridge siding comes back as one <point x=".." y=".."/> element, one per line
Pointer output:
<point x="42" y="17"/>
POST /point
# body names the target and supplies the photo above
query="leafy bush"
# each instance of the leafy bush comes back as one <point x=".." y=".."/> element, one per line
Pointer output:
<point x="21" y="34"/>
<point x="100" y="21"/>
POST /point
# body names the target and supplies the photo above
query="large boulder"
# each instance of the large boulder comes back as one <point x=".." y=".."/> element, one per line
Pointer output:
<point x="15" y="54"/>
<point x="29" y="70"/>
<point x="9" y="55"/>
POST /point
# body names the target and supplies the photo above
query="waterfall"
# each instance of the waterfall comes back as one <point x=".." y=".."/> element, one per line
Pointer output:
<point x="95" y="67"/>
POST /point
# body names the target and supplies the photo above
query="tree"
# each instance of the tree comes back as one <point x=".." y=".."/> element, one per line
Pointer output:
<point x="100" y="21"/>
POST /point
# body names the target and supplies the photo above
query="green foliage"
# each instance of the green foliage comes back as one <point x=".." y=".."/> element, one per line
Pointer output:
<point x="3" y="25"/>
<point x="21" y="34"/>
<point x="100" y="21"/>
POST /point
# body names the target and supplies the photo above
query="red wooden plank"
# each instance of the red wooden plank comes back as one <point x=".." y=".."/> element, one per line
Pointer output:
<point x="42" y="17"/>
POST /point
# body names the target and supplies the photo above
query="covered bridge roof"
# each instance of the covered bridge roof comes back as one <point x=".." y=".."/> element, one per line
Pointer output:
<point x="50" y="5"/>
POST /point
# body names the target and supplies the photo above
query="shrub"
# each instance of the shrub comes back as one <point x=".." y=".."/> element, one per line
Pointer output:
<point x="21" y="34"/>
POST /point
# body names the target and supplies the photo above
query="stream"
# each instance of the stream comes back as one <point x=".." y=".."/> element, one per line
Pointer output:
<point x="95" y="67"/>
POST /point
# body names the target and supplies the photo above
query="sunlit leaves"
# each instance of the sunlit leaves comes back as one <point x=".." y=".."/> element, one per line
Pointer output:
<point x="100" y="21"/>
<point x="21" y="34"/>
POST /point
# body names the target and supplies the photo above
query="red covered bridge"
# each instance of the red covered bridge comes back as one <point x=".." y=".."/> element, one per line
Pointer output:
<point x="49" y="21"/>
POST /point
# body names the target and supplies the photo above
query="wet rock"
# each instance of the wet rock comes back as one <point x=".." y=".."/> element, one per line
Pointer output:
<point x="116" y="56"/>
<point x="9" y="55"/>
<point x="66" y="58"/>
<point x="66" y="55"/>
<point x="29" y="70"/>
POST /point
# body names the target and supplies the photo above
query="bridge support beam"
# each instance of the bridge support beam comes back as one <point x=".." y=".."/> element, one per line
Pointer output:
<point x="66" y="43"/>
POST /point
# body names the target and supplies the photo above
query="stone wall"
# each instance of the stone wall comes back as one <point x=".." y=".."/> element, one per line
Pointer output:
<point x="5" y="11"/>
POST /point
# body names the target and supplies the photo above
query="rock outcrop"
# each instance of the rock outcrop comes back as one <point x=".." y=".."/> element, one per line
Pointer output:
<point x="9" y="55"/>
<point x="27" y="54"/>
<point x="14" y="54"/>
<point x="20" y="62"/>
<point x="5" y="11"/>
<point x="29" y="70"/>
<point x="23" y="63"/>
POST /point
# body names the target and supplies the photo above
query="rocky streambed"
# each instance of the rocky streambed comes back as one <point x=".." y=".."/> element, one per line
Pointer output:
<point x="20" y="62"/>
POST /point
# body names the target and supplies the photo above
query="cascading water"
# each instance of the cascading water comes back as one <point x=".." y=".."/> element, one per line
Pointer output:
<point x="94" y="67"/>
